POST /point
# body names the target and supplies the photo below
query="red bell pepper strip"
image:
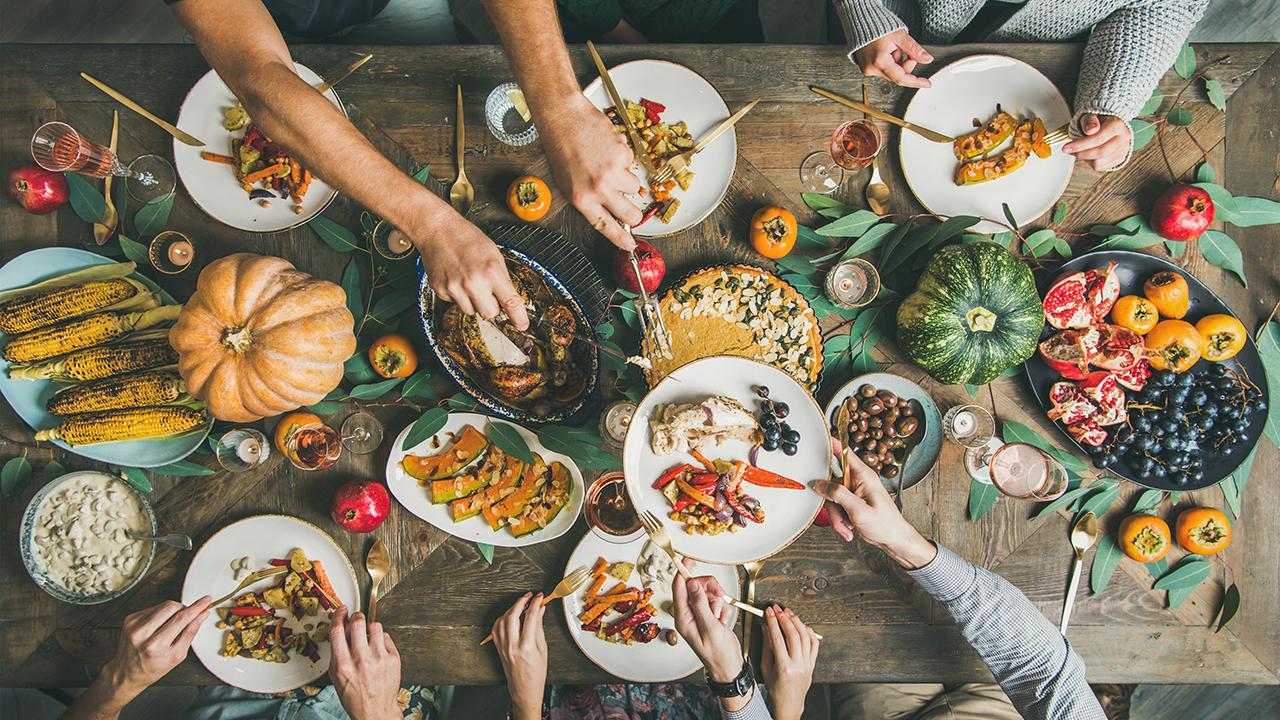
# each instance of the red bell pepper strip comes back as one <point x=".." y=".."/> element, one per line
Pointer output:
<point x="710" y="466"/>
<point x="682" y="502"/>
<point x="648" y="104"/>
<point x="764" y="478"/>
<point x="665" y="478"/>
<point x="741" y="509"/>
<point x="249" y="610"/>
<point x="697" y="495"/>
<point x="278" y="562"/>
<point x="630" y="621"/>
<point x="735" y="477"/>
<point x="649" y="212"/>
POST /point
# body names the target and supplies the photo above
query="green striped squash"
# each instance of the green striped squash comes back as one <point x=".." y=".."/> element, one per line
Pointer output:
<point x="974" y="314"/>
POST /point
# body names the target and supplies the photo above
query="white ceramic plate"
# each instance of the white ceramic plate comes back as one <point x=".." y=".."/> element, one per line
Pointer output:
<point x="924" y="456"/>
<point x="787" y="512"/>
<point x="688" y="97"/>
<point x="415" y="499"/>
<point x="261" y="538"/>
<point x="967" y="89"/>
<point x="29" y="397"/>
<point x="213" y="186"/>
<point x="651" y="662"/>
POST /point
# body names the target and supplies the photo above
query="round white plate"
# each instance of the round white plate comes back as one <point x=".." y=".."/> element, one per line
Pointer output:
<point x="261" y="538"/>
<point x="28" y="398"/>
<point x="651" y="662"/>
<point x="415" y="499"/>
<point x="923" y="457"/>
<point x="787" y="512"/>
<point x="967" y="89"/>
<point x="213" y="186"/>
<point x="688" y="97"/>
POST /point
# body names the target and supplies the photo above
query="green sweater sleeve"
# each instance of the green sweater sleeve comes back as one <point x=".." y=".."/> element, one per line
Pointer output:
<point x="595" y="17"/>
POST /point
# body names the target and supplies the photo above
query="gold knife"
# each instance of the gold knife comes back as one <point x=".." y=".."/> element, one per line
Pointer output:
<point x="167" y="127"/>
<point x="325" y="86"/>
<point x="924" y="132"/>
<point x="636" y="143"/>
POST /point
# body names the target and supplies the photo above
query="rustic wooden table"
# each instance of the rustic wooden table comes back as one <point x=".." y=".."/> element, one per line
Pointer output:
<point x="441" y="596"/>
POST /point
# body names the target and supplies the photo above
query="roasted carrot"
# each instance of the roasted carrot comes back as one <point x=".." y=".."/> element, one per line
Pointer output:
<point x="267" y="172"/>
<point x="322" y="580"/>
<point x="621" y="597"/>
<point x="600" y="567"/>
<point x="594" y="588"/>
<point x="593" y="613"/>
<point x="215" y="157"/>
<point x="295" y="172"/>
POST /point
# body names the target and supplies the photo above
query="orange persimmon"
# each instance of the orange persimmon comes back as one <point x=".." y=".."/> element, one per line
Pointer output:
<point x="773" y="231"/>
<point x="529" y="198"/>
<point x="1223" y="336"/>
<point x="1203" y="530"/>
<point x="1136" y="313"/>
<point x="1144" y="538"/>
<point x="1173" y="345"/>
<point x="393" y="356"/>
<point x="1169" y="291"/>
<point x="290" y="424"/>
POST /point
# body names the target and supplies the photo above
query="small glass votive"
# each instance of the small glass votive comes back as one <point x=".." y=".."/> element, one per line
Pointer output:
<point x="504" y="118"/>
<point x="242" y="449"/>
<point x="970" y="426"/>
<point x="852" y="283"/>
<point x="171" y="252"/>
<point x="615" y="420"/>
<point x="390" y="243"/>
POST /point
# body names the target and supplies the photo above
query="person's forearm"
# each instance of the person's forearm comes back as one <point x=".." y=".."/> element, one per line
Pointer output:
<point x="531" y="36"/>
<point x="865" y="21"/>
<point x="103" y="699"/>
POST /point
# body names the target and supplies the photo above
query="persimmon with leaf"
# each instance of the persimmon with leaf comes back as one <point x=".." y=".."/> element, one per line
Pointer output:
<point x="393" y="356"/>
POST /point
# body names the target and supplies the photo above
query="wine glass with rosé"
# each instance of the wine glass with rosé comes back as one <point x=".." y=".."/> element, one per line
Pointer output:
<point x="1022" y="470"/>
<point x="854" y="145"/>
<point x="56" y="146"/>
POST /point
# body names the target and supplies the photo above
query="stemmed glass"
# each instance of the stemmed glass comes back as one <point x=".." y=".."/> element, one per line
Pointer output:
<point x="1022" y="470"/>
<point x="318" y="446"/>
<point x="58" y="147"/>
<point x="853" y="146"/>
<point x="361" y="433"/>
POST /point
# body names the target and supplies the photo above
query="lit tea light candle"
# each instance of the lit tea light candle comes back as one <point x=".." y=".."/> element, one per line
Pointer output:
<point x="616" y="420"/>
<point x="397" y="243"/>
<point x="249" y="450"/>
<point x="963" y="423"/>
<point x="180" y="253"/>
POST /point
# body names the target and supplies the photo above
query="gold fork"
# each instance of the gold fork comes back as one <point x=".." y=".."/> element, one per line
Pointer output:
<point x="1058" y="135"/>
<point x="253" y="577"/>
<point x="564" y="588"/>
<point x="676" y="164"/>
<point x="658" y="534"/>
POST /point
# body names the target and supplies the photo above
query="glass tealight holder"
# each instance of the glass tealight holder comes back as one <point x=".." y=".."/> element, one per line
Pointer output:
<point x="390" y="243"/>
<point x="615" y="420"/>
<point x="970" y="426"/>
<point x="242" y="449"/>
<point x="504" y="118"/>
<point x="852" y="283"/>
<point x="171" y="252"/>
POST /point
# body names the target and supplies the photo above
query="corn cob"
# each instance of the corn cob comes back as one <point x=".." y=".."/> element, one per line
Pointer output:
<point x="128" y="424"/>
<point x="114" y="393"/>
<point x="33" y="312"/>
<point x="100" y="362"/>
<point x="86" y="332"/>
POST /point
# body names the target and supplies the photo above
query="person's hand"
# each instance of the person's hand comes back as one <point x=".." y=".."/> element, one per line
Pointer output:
<point x="465" y="267"/>
<point x="592" y="163"/>
<point x="869" y="511"/>
<point x="153" y="642"/>
<point x="894" y="57"/>
<point x="790" y="653"/>
<point x="701" y="616"/>
<point x="365" y="668"/>
<point x="1106" y="141"/>
<point x="522" y="647"/>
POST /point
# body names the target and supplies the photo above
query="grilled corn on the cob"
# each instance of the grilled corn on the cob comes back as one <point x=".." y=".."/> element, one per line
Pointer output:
<point x="86" y="332"/>
<point x="100" y="362"/>
<point x="157" y="387"/>
<point x="32" y="312"/>
<point x="128" y="424"/>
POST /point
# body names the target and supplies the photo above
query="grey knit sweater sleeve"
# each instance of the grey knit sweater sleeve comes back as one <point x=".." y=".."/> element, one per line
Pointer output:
<point x="866" y="20"/>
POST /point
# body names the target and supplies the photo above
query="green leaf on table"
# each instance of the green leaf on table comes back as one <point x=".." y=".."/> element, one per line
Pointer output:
<point x="818" y="201"/>
<point x="1269" y="351"/>
<point x="1224" y="203"/>
<point x="630" y="316"/>
<point x="1003" y="237"/>
<point x="833" y="212"/>
<point x="1143" y="133"/>
<point x="1217" y="97"/>
<point x="1014" y="371"/>
<point x="1062" y="501"/>
<point x="422" y="429"/>
<point x="973" y="237"/>
<point x="1153" y="103"/>
<point x="1205" y="173"/>
<point x="326" y="407"/>
<point x="421" y="175"/>
<point x="182" y="468"/>
<point x="1008" y="215"/>
<point x="351" y="286"/>
<point x="389" y="307"/>
<point x="1062" y="247"/>
<point x="52" y="471"/>
<point x="86" y="200"/>
<point x="1158" y="568"/>
<point x="14" y="477"/>
<point x="1180" y="116"/>
<point x="981" y="497"/>
<point x="972" y="390"/>
<point x="1059" y="212"/>
<point x="153" y="217"/>
<point x="373" y="391"/>
<point x="1185" y="65"/>
<point x="334" y="235"/>
<point x="1129" y="226"/>
<point x="1174" y="248"/>
<point x="510" y="441"/>
<point x="1105" y="561"/>
<point x="1041" y="242"/>
<point x="137" y="479"/>
<point x="806" y="237"/>
<point x="133" y="249"/>
<point x="120" y="199"/>
<point x="1099" y="502"/>
<point x="870" y="240"/>
<point x="486" y="552"/>
<point x="419" y="385"/>
<point x="1148" y="499"/>
<point x="1252" y="211"/>
<point x="851" y="225"/>
<point x="891" y="242"/>
<point x="1230" y="604"/>
<point x="799" y="265"/>
<point x="1233" y="484"/>
<point x="357" y="370"/>
<point x="1190" y="572"/>
<point x="1220" y="250"/>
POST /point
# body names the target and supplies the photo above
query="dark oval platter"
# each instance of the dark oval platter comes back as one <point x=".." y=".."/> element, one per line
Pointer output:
<point x="1133" y="268"/>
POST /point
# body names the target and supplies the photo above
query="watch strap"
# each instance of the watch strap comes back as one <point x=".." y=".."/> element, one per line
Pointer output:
<point x="738" y="687"/>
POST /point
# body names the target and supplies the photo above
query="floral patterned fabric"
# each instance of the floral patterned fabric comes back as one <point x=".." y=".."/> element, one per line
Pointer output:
<point x="677" y="701"/>
<point x="219" y="702"/>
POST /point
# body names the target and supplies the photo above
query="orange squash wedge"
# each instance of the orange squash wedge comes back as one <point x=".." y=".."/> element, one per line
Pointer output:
<point x="466" y="447"/>
<point x="501" y="484"/>
<point x="540" y="513"/>
<point x="531" y="481"/>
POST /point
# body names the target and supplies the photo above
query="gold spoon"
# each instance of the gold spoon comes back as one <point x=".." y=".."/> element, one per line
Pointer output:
<point x="462" y="193"/>
<point x="1083" y="536"/>
<point x="110" y="218"/>
<point x="378" y="565"/>
<point x="877" y="191"/>
<point x="753" y="571"/>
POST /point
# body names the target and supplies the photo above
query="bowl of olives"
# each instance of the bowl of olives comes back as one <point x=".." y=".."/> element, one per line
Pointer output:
<point x="875" y="416"/>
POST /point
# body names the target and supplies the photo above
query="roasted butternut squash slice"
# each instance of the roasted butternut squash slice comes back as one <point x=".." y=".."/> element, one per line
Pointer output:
<point x="977" y="171"/>
<point x="471" y="480"/>
<point x="466" y="448"/>
<point x="531" y="481"/>
<point x="986" y="138"/>
<point x="501" y="483"/>
<point x="544" y="509"/>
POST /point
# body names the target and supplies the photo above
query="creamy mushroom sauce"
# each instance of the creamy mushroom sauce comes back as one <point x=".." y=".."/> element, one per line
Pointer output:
<point x="81" y="535"/>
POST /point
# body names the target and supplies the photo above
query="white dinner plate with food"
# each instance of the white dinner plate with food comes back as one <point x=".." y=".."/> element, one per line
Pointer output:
<point x="213" y="186"/>
<point x="641" y="662"/>
<point x="716" y="392"/>
<point x="967" y="90"/>
<point x="261" y="539"/>
<point x="688" y="98"/>
<point x="479" y="481"/>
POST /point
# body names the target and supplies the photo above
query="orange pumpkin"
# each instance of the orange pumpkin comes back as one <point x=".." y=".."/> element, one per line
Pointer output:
<point x="1203" y="530"/>
<point x="259" y="337"/>
<point x="529" y="198"/>
<point x="773" y="231"/>
<point x="1173" y="345"/>
<point x="1144" y="538"/>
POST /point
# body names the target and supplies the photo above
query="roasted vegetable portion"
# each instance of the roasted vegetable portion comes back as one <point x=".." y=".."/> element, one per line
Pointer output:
<point x="101" y="362"/>
<point x="50" y="342"/>
<point x="115" y="393"/>
<point x="94" y="289"/>
<point x="127" y="424"/>
<point x="255" y="630"/>
<point x="986" y="138"/>
<point x="977" y="171"/>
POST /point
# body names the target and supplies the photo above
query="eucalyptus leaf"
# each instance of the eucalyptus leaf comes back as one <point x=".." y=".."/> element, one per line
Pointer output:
<point x="981" y="497"/>
<point x="1190" y="572"/>
<point x="1008" y="215"/>
<point x="334" y="235"/>
<point x="351" y="286"/>
<point x="427" y="425"/>
<point x="372" y="391"/>
<point x="1099" y="502"/>
<point x="153" y="217"/>
<point x="510" y="441"/>
<point x="869" y="241"/>
<point x="486" y="552"/>
<point x="133" y="249"/>
<point x="1148" y="499"/>
<point x="851" y="225"/>
<point x="833" y="212"/>
<point x="806" y="237"/>
<point x="1153" y="103"/>
<point x="14" y="476"/>
<point x="1003" y="237"/>
<point x="86" y="200"/>
<point x="421" y="175"/>
<point x="1062" y="247"/>
<point x="1220" y="250"/>
<point x="1174" y="248"/>
<point x="419" y="385"/>
<point x="1180" y="116"/>
<point x="357" y="370"/>
<point x="1158" y="568"/>
<point x="52" y="471"/>
<point x="1059" y="212"/>
<point x="799" y="264"/>
<point x="972" y="390"/>
<point x="137" y="478"/>
<point x="1230" y="605"/>
<point x="389" y="307"/>
<point x="1105" y="560"/>
<point x="1185" y="64"/>
<point x="326" y="407"/>
<point x="1252" y="211"/>
<point x="1233" y="484"/>
<point x="182" y="468"/>
<point x="891" y="242"/>
<point x="1143" y="133"/>
<point x="1205" y="173"/>
<point x="1041" y="242"/>
<point x="818" y="201"/>
<point x="1217" y="97"/>
<point x="1269" y="351"/>
<point x="1062" y="501"/>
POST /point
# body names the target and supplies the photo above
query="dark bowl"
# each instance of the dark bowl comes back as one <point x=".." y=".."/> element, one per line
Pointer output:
<point x="1133" y="268"/>
<point x="573" y="413"/>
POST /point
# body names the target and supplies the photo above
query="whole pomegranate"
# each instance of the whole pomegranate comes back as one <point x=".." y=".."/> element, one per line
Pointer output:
<point x="1181" y="212"/>
<point x="652" y="268"/>
<point x="361" y="505"/>
<point x="37" y="190"/>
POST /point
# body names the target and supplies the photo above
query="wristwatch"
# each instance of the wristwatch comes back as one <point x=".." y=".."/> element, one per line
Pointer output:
<point x="740" y="685"/>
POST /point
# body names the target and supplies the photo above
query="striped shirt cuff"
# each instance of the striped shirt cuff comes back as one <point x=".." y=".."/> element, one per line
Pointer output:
<point x="947" y="577"/>
<point x="755" y="709"/>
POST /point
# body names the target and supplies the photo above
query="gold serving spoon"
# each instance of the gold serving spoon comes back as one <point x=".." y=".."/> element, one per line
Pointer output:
<point x="1083" y="535"/>
<point x="462" y="192"/>
<point x="877" y="191"/>
<point x="378" y="564"/>
<point x="110" y="218"/>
